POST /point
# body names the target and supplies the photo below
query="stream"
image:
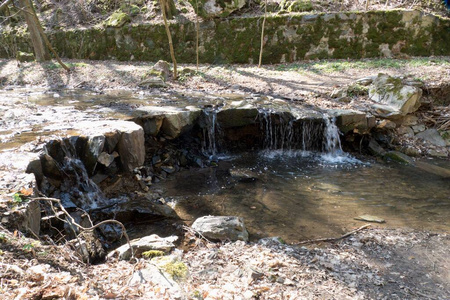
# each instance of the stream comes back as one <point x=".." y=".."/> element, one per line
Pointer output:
<point x="293" y="194"/>
<point x="301" y="195"/>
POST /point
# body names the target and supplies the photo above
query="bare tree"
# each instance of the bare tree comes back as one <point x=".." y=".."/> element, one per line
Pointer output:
<point x="169" y="37"/>
<point x="41" y="52"/>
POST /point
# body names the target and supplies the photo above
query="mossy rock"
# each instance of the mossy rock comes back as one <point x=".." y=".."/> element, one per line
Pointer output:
<point x="217" y="8"/>
<point x="117" y="19"/>
<point x="296" y="5"/>
<point x="24" y="56"/>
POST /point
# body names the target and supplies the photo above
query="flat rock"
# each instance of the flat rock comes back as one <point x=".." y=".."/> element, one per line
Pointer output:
<point x="399" y="157"/>
<point x="237" y="115"/>
<point x="432" y="136"/>
<point x="221" y="228"/>
<point x="370" y="218"/>
<point x="151" y="242"/>
<point x="348" y="120"/>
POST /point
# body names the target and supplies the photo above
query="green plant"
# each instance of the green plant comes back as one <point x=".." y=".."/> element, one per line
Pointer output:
<point x="2" y="237"/>
<point x="28" y="247"/>
<point x="18" y="198"/>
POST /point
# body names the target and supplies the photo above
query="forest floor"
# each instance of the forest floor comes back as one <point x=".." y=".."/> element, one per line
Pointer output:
<point x="374" y="263"/>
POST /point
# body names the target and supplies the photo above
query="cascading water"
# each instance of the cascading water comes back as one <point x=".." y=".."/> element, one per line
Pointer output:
<point x="282" y="131"/>
<point x="76" y="188"/>
<point x="211" y="133"/>
<point x="332" y="141"/>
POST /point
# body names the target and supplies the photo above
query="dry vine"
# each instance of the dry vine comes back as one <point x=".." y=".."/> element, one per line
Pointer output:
<point x="81" y="228"/>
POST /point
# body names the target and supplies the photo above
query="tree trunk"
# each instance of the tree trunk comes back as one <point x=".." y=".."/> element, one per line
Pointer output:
<point x="41" y="52"/>
<point x="171" y="10"/>
<point x="169" y="37"/>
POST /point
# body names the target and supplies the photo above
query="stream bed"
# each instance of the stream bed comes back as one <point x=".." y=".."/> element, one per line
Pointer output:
<point x="301" y="195"/>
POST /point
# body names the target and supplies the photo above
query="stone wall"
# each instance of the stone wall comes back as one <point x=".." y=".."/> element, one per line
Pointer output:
<point x="237" y="40"/>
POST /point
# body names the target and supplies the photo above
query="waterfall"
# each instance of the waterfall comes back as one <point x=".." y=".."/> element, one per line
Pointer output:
<point x="76" y="188"/>
<point x="332" y="141"/>
<point x="211" y="133"/>
<point x="281" y="131"/>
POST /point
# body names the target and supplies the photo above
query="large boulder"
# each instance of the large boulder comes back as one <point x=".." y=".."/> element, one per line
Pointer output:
<point x="221" y="228"/>
<point x="394" y="98"/>
<point x="127" y="138"/>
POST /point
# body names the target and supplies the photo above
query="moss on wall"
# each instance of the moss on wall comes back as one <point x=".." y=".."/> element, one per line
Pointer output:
<point x="237" y="40"/>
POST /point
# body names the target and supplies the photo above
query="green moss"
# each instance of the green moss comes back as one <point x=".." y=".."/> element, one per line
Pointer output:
<point x="174" y="267"/>
<point x="117" y="19"/>
<point x="296" y="5"/>
<point x="152" y="253"/>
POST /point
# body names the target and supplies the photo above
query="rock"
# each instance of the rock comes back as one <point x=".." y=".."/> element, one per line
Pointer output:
<point x="215" y="8"/>
<point x="151" y="274"/>
<point x="399" y="157"/>
<point x="432" y="136"/>
<point x="436" y="170"/>
<point x="386" y="124"/>
<point x="418" y="128"/>
<point x="237" y="114"/>
<point x="129" y="136"/>
<point x="153" y="81"/>
<point x="107" y="159"/>
<point x="91" y="248"/>
<point x="243" y="175"/>
<point x="221" y="228"/>
<point x="151" y="242"/>
<point x="24" y="56"/>
<point x="411" y="151"/>
<point x="177" y="122"/>
<point x="438" y="152"/>
<point x="375" y="148"/>
<point x="348" y="120"/>
<point x="151" y="124"/>
<point x="32" y="220"/>
<point x="117" y="19"/>
<point x="163" y="67"/>
<point x="37" y="273"/>
<point x="410" y="120"/>
<point x="406" y="131"/>
<point x="93" y="148"/>
<point x="365" y="81"/>
<point x="50" y="167"/>
<point x="395" y="98"/>
<point x="168" y="169"/>
<point x="131" y="148"/>
<point x="369" y="218"/>
<point x="271" y="241"/>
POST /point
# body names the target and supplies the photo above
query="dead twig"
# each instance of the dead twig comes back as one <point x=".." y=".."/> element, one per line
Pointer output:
<point x="333" y="239"/>
<point x="195" y="232"/>
<point x="81" y="228"/>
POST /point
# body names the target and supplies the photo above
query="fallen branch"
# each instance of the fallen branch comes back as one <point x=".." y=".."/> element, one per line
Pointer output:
<point x="333" y="239"/>
<point x="195" y="232"/>
<point x="81" y="228"/>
